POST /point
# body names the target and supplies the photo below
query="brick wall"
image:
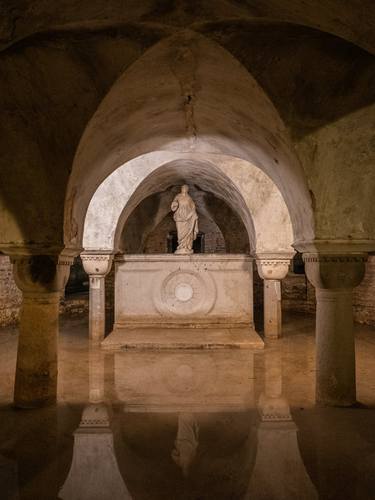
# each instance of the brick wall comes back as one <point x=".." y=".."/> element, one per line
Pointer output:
<point x="10" y="296"/>
<point x="156" y="241"/>
<point x="299" y="295"/>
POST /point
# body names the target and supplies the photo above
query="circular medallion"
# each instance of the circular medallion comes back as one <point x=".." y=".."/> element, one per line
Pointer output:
<point x="185" y="292"/>
<point x="182" y="374"/>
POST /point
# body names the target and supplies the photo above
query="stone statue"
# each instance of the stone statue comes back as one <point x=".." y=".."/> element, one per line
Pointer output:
<point x="186" y="218"/>
<point x="186" y="443"/>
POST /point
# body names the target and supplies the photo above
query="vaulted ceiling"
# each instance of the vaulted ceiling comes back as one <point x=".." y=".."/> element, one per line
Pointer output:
<point x="58" y="60"/>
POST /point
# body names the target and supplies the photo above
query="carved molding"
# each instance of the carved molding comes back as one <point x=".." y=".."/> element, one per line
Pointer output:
<point x="185" y="292"/>
<point x="95" y="258"/>
<point x="273" y="269"/>
<point x="335" y="258"/>
<point x="97" y="264"/>
<point x="41" y="274"/>
<point x="335" y="271"/>
<point x="335" y="247"/>
<point x="274" y="409"/>
<point x="274" y="262"/>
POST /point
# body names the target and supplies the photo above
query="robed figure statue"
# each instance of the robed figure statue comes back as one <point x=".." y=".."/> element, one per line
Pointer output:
<point x="186" y="219"/>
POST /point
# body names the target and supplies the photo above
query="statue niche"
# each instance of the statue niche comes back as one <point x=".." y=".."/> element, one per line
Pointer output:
<point x="186" y="219"/>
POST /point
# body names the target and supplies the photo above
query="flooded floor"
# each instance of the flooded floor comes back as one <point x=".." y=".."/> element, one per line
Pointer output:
<point x="198" y="424"/>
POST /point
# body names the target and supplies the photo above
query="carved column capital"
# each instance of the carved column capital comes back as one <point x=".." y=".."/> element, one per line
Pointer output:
<point x="273" y="269"/>
<point x="274" y="408"/>
<point x="335" y="271"/>
<point x="41" y="274"/>
<point x="97" y="264"/>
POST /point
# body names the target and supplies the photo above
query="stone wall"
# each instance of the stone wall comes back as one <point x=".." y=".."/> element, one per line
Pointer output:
<point x="110" y="299"/>
<point x="10" y="296"/>
<point x="364" y="296"/>
<point x="299" y="295"/>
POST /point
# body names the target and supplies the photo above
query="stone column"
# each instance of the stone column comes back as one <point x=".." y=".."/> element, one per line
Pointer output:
<point x="96" y="374"/>
<point x="42" y="279"/>
<point x="97" y="266"/>
<point x="334" y="277"/>
<point x="272" y="271"/>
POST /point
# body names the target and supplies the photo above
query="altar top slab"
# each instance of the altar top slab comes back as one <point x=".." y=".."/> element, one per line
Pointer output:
<point x="168" y="257"/>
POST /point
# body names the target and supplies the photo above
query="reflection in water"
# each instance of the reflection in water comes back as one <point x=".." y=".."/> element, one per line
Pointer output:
<point x="279" y="472"/>
<point x="8" y="479"/>
<point x="186" y="442"/>
<point x="209" y="388"/>
<point x="94" y="473"/>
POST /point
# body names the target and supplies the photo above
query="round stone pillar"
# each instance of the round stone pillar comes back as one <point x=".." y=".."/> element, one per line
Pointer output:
<point x="272" y="271"/>
<point x="334" y="277"/>
<point x="42" y="279"/>
<point x="97" y="266"/>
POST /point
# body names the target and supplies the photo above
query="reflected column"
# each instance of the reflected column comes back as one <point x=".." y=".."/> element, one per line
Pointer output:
<point x="97" y="266"/>
<point x="272" y="270"/>
<point x="279" y="471"/>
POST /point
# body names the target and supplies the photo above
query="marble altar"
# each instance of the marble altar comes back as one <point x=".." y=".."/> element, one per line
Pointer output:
<point x="171" y="301"/>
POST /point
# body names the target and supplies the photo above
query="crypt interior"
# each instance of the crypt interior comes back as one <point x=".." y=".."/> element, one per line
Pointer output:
<point x="187" y="249"/>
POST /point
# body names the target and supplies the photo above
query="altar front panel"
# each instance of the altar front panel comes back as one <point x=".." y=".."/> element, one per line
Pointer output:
<point x="199" y="290"/>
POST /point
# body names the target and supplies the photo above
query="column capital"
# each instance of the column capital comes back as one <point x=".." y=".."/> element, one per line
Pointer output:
<point x="335" y="270"/>
<point x="97" y="264"/>
<point x="273" y="268"/>
<point x="40" y="274"/>
<point x="274" y="408"/>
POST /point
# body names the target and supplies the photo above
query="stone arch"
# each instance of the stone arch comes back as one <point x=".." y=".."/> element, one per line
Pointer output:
<point x="248" y="191"/>
<point x="186" y="95"/>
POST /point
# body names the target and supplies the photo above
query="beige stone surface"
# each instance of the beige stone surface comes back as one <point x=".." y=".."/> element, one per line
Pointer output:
<point x="184" y="337"/>
<point x="334" y="277"/>
<point x="250" y="193"/>
<point x="200" y="289"/>
<point x="173" y="382"/>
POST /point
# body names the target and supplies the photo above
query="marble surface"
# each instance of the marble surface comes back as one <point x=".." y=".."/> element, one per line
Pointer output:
<point x="184" y="300"/>
<point x="183" y="338"/>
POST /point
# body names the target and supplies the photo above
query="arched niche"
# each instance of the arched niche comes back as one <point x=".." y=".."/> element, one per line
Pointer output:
<point x="185" y="98"/>
<point x="154" y="216"/>
<point x="163" y="238"/>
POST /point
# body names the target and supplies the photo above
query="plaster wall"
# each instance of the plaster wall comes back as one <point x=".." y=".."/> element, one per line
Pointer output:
<point x="187" y="75"/>
<point x="342" y="150"/>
